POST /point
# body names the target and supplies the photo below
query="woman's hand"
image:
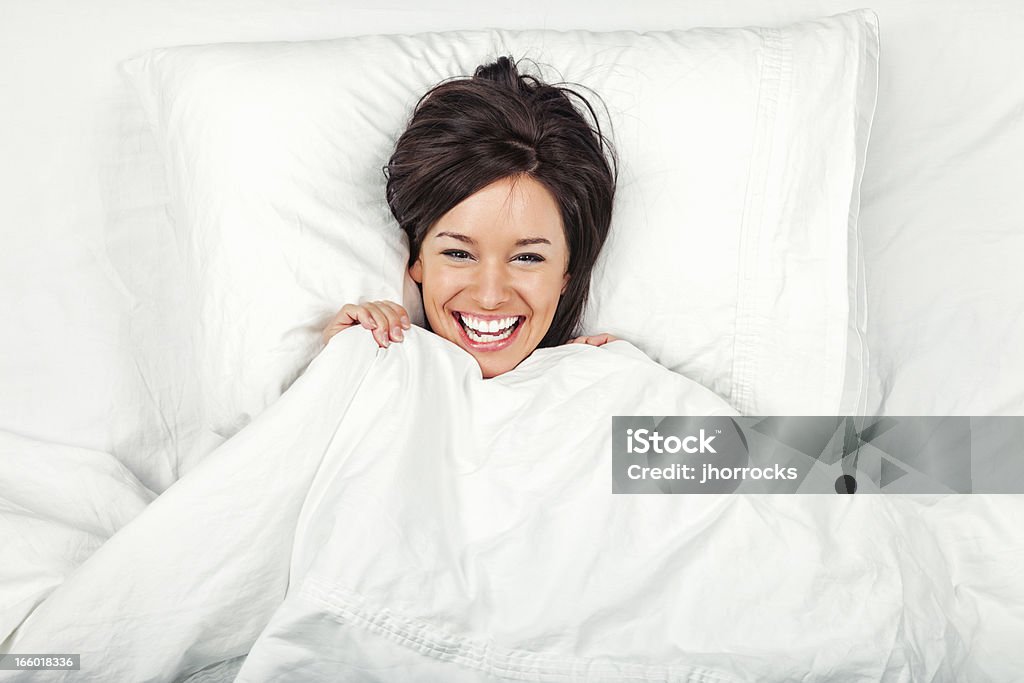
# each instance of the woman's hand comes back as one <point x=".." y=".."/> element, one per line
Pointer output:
<point x="385" y="319"/>
<point x="594" y="340"/>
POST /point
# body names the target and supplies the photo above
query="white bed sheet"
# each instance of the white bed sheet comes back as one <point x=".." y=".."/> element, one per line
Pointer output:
<point x="58" y="505"/>
<point x="483" y="541"/>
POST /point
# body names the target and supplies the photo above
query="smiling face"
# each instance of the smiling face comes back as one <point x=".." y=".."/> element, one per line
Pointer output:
<point x="493" y="269"/>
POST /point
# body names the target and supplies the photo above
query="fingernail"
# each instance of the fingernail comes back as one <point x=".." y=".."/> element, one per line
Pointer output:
<point x="396" y="332"/>
<point x="405" y="322"/>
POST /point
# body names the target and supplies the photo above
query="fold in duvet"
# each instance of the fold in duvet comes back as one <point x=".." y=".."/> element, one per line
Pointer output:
<point x="395" y="517"/>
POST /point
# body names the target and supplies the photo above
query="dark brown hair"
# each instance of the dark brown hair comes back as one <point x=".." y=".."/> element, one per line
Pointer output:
<point x="467" y="133"/>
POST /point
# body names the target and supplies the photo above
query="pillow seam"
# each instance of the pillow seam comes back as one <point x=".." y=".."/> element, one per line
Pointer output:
<point x="775" y="70"/>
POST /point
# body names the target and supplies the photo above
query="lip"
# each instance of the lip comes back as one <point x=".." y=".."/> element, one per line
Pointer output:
<point x="487" y="346"/>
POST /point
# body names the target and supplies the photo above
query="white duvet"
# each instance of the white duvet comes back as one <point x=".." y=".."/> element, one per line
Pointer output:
<point x="394" y="517"/>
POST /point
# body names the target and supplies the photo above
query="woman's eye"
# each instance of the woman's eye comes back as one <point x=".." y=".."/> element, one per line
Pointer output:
<point x="531" y="258"/>
<point x="457" y="254"/>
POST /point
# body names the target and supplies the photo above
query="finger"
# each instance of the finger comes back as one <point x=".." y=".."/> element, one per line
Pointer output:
<point x="381" y="325"/>
<point x="368" y="320"/>
<point x="602" y="339"/>
<point x="400" y="312"/>
<point x="394" y="313"/>
<point x="357" y="313"/>
<point x="390" y="328"/>
<point x="341" y="320"/>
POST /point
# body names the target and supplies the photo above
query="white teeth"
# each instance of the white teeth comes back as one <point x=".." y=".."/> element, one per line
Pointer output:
<point x="487" y="326"/>
<point x="480" y="340"/>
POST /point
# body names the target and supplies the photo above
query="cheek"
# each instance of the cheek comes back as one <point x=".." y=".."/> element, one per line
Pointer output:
<point x="440" y="286"/>
<point x="442" y="283"/>
<point x="550" y="291"/>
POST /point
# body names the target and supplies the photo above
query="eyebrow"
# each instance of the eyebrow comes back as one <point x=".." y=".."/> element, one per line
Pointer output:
<point x="526" y="241"/>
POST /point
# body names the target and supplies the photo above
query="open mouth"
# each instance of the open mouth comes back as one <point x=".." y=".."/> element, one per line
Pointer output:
<point x="488" y="334"/>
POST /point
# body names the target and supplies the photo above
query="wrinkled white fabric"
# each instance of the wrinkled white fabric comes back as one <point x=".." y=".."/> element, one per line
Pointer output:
<point x="395" y="517"/>
<point x="196" y="577"/>
<point x="58" y="504"/>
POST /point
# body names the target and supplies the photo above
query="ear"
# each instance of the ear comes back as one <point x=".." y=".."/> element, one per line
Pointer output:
<point x="416" y="271"/>
<point x="565" y="282"/>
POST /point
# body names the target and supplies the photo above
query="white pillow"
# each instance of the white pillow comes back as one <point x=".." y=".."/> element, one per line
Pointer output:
<point x="741" y="154"/>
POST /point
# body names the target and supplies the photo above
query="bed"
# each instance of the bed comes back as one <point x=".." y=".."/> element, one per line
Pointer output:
<point x="174" y="503"/>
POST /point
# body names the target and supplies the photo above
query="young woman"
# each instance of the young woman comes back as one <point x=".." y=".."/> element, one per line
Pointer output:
<point x="505" y="191"/>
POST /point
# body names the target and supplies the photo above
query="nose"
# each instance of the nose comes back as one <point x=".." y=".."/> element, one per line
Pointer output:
<point x="492" y="285"/>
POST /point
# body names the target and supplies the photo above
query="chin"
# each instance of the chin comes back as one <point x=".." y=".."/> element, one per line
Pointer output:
<point x="488" y="371"/>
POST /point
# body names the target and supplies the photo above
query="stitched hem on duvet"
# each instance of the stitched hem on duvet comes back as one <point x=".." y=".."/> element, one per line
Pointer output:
<point x="483" y="655"/>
